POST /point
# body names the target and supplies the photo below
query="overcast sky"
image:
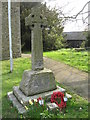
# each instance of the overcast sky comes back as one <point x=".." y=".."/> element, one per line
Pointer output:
<point x="71" y="7"/>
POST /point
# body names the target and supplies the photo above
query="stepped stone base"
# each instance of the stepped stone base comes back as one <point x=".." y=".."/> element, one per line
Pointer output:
<point x="22" y="97"/>
<point x="17" y="96"/>
<point x="35" y="82"/>
<point x="16" y="103"/>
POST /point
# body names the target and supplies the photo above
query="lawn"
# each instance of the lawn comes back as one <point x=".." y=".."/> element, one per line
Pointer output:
<point x="71" y="57"/>
<point x="13" y="79"/>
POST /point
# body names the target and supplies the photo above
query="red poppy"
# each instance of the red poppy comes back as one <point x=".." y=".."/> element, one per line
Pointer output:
<point x="39" y="99"/>
<point x="57" y="96"/>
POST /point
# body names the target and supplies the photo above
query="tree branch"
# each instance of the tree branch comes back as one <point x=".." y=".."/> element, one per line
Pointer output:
<point x="75" y="16"/>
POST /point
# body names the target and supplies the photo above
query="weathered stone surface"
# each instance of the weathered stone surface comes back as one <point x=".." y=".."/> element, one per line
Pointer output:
<point x="89" y="16"/>
<point x="34" y="82"/>
<point x="36" y="16"/>
<point x="15" y="24"/>
<point x="37" y="48"/>
<point x="16" y="103"/>
<point x="22" y="97"/>
<point x="51" y="106"/>
<point x="36" y="21"/>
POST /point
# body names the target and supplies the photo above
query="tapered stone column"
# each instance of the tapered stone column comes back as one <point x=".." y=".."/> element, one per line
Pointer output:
<point x="36" y="22"/>
<point x="37" y="47"/>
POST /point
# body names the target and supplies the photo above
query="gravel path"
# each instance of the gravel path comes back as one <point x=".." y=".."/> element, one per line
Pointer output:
<point x="72" y="78"/>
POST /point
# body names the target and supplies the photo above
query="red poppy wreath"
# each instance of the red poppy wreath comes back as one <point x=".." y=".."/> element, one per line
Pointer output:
<point x="56" y="97"/>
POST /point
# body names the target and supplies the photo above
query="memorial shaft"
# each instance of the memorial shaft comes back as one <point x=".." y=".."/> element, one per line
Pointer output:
<point x="37" y="47"/>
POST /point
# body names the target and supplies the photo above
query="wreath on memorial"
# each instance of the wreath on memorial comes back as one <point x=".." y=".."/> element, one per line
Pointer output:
<point x="58" y="98"/>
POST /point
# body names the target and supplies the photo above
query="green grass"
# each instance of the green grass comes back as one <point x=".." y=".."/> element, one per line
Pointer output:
<point x="78" y="60"/>
<point x="9" y="80"/>
<point x="13" y="79"/>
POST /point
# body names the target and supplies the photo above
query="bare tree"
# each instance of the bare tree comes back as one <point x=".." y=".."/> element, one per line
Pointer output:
<point x="81" y="15"/>
<point x="85" y="15"/>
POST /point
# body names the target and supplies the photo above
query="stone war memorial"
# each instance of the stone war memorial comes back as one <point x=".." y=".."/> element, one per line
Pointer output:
<point x="38" y="81"/>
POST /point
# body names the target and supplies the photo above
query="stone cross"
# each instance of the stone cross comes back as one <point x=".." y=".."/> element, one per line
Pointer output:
<point x="36" y="22"/>
<point x="39" y="81"/>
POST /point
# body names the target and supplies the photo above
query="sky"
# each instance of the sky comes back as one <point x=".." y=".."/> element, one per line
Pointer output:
<point x="69" y="8"/>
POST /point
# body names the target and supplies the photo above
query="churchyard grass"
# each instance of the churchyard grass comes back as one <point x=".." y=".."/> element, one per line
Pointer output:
<point x="71" y="57"/>
<point x="9" y="80"/>
<point x="77" y="107"/>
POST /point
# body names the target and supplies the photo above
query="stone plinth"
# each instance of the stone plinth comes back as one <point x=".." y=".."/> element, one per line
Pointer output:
<point x="16" y="103"/>
<point x="17" y="96"/>
<point x="25" y="99"/>
<point x="34" y="82"/>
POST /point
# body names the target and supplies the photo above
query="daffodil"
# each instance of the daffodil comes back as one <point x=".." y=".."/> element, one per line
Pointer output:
<point x="21" y="102"/>
<point x="26" y="107"/>
<point x="30" y="102"/>
<point x="35" y="100"/>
